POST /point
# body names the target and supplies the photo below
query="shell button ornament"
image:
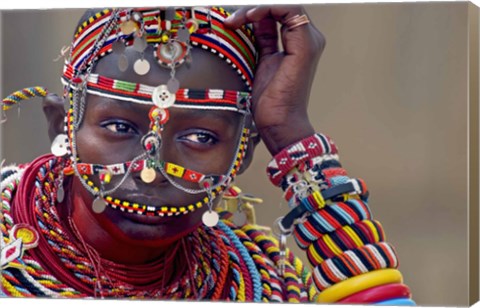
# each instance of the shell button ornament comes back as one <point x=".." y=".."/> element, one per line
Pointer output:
<point x="163" y="98"/>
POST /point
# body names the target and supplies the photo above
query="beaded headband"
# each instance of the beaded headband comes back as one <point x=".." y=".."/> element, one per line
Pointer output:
<point x="172" y="32"/>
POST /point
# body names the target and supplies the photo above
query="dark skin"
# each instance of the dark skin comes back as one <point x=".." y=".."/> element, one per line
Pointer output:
<point x="111" y="132"/>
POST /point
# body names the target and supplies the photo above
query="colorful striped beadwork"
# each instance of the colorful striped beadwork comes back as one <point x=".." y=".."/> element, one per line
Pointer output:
<point x="235" y="46"/>
<point x="354" y="262"/>
<point x="24" y="94"/>
<point x="208" y="99"/>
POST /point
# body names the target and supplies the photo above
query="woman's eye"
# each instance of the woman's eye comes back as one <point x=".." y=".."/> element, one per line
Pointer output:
<point x="201" y="138"/>
<point x="120" y="127"/>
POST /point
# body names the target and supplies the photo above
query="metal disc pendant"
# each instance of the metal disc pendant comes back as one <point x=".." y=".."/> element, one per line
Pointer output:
<point x="128" y="27"/>
<point x="122" y="63"/>
<point x="163" y="98"/>
<point x="210" y="218"/>
<point x="171" y="54"/>
<point x="183" y="35"/>
<point x="173" y="85"/>
<point x="59" y="145"/>
<point x="239" y="218"/>
<point x="118" y="47"/>
<point x="99" y="205"/>
<point x="148" y="175"/>
<point x="137" y="16"/>
<point x="141" y="67"/>
<point x="140" y="44"/>
<point x="60" y="194"/>
<point x="170" y="13"/>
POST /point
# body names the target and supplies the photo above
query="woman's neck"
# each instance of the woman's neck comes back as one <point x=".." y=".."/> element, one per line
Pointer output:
<point x="117" y="255"/>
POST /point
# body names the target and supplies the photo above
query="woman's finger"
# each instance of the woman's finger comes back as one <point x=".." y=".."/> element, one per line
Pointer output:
<point x="266" y="37"/>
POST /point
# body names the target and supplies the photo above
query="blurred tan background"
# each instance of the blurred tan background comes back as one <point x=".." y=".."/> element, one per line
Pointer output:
<point x="391" y="90"/>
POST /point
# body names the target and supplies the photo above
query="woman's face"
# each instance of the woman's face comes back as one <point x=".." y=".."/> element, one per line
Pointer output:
<point x="204" y="141"/>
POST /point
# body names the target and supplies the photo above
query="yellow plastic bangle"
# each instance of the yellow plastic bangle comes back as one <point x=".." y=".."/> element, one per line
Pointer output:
<point x="359" y="283"/>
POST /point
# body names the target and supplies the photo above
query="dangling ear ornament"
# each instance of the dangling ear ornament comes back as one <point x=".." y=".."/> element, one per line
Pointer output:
<point x="99" y="204"/>
<point x="210" y="218"/>
<point x="60" y="190"/>
<point x="59" y="146"/>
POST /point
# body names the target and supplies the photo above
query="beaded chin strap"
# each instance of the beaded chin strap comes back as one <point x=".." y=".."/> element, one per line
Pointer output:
<point x="172" y="32"/>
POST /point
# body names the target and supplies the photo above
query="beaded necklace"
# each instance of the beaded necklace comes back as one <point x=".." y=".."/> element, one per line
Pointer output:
<point x="226" y="261"/>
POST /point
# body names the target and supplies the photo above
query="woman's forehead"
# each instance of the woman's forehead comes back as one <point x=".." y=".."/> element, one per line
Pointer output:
<point x="104" y="107"/>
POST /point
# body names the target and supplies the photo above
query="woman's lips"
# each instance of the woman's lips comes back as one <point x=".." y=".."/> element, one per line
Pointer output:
<point x="148" y="218"/>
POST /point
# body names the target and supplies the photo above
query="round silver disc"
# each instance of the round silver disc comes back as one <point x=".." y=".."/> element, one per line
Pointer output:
<point x="141" y="67"/>
<point x="139" y="44"/>
<point x="59" y="145"/>
<point x="128" y="27"/>
<point x="60" y="194"/>
<point x="163" y="98"/>
<point x="210" y="218"/>
<point x="173" y="85"/>
<point x="239" y="218"/>
<point x="183" y="35"/>
<point x="148" y="175"/>
<point x="171" y="51"/>
<point x="118" y="47"/>
<point x="170" y="13"/>
<point x="122" y="63"/>
<point x="98" y="205"/>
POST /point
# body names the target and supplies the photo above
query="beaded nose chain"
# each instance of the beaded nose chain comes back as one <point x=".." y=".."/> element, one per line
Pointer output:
<point x="172" y="32"/>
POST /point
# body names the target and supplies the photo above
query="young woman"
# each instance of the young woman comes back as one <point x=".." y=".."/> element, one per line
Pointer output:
<point x="137" y="198"/>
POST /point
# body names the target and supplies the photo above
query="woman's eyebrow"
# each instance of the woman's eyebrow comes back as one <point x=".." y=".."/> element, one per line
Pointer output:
<point x="108" y="103"/>
<point x="214" y="115"/>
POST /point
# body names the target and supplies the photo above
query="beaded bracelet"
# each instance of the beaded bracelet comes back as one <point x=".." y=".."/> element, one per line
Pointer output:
<point x="329" y="219"/>
<point x="313" y="146"/>
<point x="359" y="283"/>
<point x="343" y="239"/>
<point x="318" y="172"/>
<point x="377" y="294"/>
<point x="317" y="200"/>
<point x="354" y="262"/>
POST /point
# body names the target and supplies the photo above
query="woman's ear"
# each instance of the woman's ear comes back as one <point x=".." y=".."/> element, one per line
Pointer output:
<point x="55" y="113"/>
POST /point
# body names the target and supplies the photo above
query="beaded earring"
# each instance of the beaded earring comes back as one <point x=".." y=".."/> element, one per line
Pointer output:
<point x="59" y="148"/>
<point x="141" y="66"/>
<point x="99" y="205"/>
<point x="210" y="218"/>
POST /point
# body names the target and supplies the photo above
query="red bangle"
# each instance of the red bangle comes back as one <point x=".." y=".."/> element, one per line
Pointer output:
<point x="376" y="294"/>
<point x="295" y="154"/>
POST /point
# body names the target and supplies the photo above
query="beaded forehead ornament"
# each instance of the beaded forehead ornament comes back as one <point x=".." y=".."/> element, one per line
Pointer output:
<point x="172" y="33"/>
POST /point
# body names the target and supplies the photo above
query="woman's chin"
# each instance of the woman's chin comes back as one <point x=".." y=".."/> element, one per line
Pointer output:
<point x="151" y="230"/>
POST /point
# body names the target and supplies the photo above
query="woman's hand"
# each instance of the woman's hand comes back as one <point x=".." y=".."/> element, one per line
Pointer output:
<point x="283" y="78"/>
